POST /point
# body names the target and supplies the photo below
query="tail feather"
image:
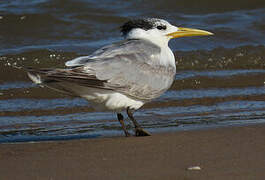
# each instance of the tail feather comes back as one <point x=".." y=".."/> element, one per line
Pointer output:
<point x="36" y="75"/>
<point x="67" y="81"/>
<point x="41" y="77"/>
<point x="36" y="78"/>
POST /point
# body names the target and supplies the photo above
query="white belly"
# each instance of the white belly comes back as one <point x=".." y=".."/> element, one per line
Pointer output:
<point x="103" y="99"/>
<point x="112" y="101"/>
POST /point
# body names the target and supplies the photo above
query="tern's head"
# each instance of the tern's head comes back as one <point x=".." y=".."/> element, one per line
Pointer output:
<point x="156" y="30"/>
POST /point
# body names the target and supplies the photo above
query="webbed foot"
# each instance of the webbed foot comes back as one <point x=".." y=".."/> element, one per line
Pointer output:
<point x="141" y="132"/>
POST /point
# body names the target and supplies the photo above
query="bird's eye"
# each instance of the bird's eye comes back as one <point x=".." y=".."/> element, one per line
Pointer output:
<point x="161" y="27"/>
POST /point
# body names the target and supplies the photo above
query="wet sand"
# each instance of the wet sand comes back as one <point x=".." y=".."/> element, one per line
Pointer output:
<point x="223" y="153"/>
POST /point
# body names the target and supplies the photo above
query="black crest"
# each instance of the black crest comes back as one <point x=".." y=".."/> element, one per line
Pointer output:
<point x="145" y="24"/>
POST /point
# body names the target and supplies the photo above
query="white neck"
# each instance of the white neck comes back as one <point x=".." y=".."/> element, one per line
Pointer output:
<point x="167" y="56"/>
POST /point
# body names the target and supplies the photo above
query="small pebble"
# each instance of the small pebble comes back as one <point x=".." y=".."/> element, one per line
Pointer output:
<point x="194" y="168"/>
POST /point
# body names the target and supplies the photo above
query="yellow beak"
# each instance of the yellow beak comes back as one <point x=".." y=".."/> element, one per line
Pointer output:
<point x="182" y="32"/>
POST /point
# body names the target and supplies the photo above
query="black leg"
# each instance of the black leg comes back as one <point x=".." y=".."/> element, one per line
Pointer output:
<point x="138" y="130"/>
<point x="120" y="118"/>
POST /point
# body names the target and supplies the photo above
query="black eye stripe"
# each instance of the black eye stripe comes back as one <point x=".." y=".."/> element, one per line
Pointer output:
<point x="161" y="27"/>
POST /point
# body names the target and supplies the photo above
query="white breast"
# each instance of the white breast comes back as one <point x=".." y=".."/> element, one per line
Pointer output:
<point x="167" y="57"/>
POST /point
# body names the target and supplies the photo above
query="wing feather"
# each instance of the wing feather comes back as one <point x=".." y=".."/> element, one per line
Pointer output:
<point x="129" y="67"/>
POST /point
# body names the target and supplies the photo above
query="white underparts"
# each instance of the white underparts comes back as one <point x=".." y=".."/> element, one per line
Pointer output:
<point x="104" y="99"/>
<point x="113" y="101"/>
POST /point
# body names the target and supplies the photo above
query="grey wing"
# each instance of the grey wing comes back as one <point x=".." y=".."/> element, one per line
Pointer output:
<point x="130" y="47"/>
<point x="129" y="67"/>
<point x="135" y="79"/>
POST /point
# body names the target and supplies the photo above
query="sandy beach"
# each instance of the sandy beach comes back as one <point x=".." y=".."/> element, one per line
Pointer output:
<point x="223" y="153"/>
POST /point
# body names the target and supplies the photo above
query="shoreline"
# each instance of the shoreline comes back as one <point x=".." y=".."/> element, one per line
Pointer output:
<point x="221" y="153"/>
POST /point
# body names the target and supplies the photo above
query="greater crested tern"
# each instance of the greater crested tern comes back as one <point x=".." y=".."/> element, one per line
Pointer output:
<point x="124" y="75"/>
